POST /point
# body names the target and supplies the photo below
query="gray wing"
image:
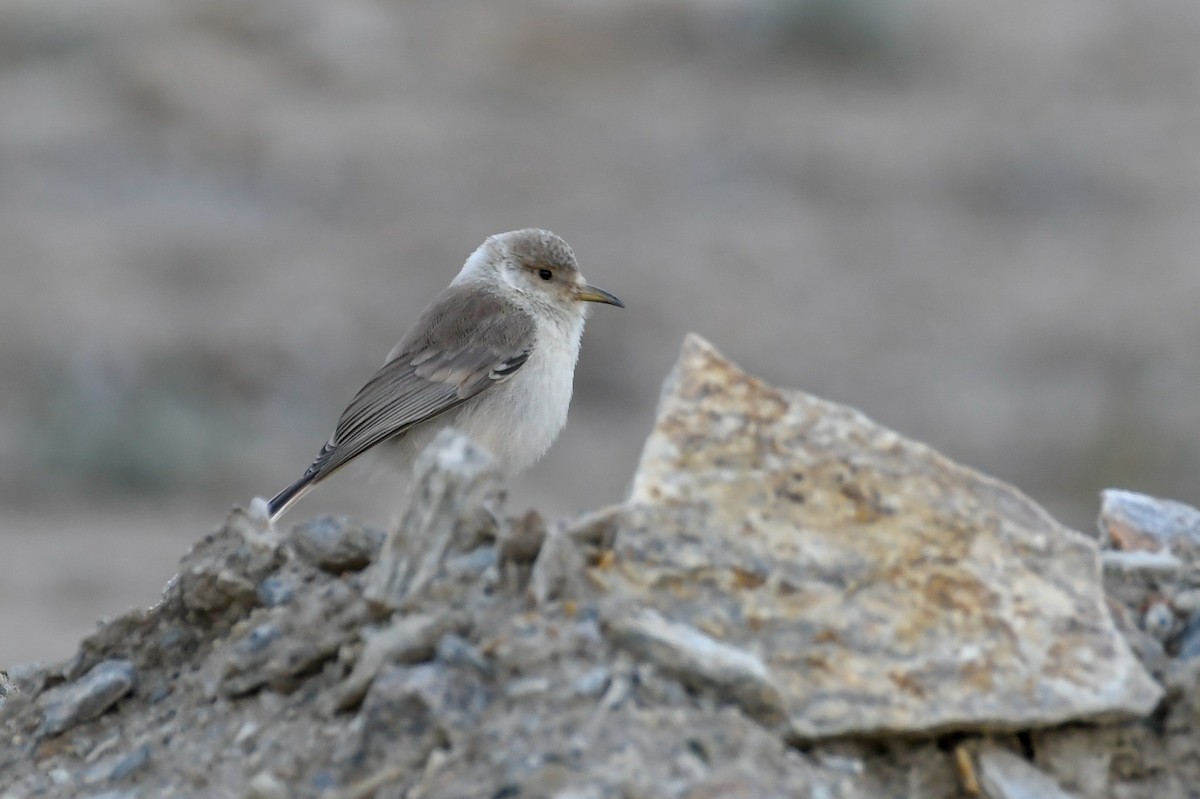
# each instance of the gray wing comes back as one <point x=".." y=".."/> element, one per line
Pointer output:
<point x="463" y="344"/>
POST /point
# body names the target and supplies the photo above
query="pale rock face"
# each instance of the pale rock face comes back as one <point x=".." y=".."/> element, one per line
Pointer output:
<point x="884" y="587"/>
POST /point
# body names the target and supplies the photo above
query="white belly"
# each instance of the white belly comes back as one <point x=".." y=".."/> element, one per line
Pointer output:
<point x="519" y="419"/>
<point x="516" y="420"/>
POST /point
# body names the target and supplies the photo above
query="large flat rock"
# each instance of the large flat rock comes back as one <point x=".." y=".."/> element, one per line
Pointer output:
<point x="884" y="587"/>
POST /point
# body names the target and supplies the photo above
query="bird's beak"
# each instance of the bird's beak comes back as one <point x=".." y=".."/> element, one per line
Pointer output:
<point x="593" y="294"/>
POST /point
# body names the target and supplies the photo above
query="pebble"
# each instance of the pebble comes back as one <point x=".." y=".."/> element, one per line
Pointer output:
<point x="521" y="541"/>
<point x="847" y="764"/>
<point x="454" y="650"/>
<point x="1187" y="602"/>
<point x="118" y="767"/>
<point x="336" y="545"/>
<point x="593" y="683"/>
<point x="1005" y="775"/>
<point x="525" y="687"/>
<point x="1189" y="639"/>
<point x="407" y="639"/>
<point x="477" y="561"/>
<point x="273" y="592"/>
<point x="1158" y="563"/>
<point x="88" y="697"/>
<point x="266" y="785"/>
<point x="247" y="731"/>
<point x="697" y="659"/>
<point x="1159" y="621"/>
<point x="260" y="638"/>
<point x="323" y="781"/>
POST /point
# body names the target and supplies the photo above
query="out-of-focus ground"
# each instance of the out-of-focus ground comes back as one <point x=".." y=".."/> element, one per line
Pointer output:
<point x="979" y="224"/>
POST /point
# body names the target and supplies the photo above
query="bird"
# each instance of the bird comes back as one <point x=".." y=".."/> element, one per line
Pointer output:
<point x="493" y="356"/>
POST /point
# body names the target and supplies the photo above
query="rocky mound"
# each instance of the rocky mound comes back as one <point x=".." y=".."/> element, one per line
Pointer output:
<point x="793" y="601"/>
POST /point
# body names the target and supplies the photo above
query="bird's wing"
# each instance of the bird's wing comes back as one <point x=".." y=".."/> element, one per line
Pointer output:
<point x="457" y="350"/>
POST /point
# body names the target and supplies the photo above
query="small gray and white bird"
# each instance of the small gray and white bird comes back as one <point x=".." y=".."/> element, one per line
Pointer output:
<point x="493" y="356"/>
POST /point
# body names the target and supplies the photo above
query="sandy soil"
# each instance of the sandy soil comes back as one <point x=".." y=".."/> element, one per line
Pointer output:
<point x="976" y="224"/>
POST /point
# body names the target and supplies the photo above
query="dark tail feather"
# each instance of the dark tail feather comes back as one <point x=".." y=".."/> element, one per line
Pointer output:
<point x="289" y="496"/>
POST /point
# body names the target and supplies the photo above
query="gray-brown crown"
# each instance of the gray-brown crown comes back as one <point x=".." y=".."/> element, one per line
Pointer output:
<point x="535" y="247"/>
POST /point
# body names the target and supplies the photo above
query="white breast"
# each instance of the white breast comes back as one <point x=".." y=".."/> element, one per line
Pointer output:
<point x="519" y="419"/>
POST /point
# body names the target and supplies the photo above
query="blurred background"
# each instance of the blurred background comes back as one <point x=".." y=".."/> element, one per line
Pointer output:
<point x="978" y="223"/>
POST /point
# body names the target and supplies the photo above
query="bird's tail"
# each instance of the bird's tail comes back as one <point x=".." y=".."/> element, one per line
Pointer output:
<point x="289" y="496"/>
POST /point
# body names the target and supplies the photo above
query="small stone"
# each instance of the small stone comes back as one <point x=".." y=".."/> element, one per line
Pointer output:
<point x="454" y="650"/>
<point x="118" y="767"/>
<point x="1189" y="639"/>
<point x="472" y="563"/>
<point x="526" y="687"/>
<point x="1148" y="562"/>
<point x="580" y="792"/>
<point x="336" y="544"/>
<point x="131" y="763"/>
<point x="1159" y="621"/>
<point x="158" y="693"/>
<point x="847" y="764"/>
<point x="221" y="573"/>
<point x="1092" y="761"/>
<point x="274" y="591"/>
<point x="1139" y="522"/>
<point x="88" y="697"/>
<point x="1180" y="679"/>
<point x="407" y="639"/>
<point x="595" y="530"/>
<point x="521" y="541"/>
<point x="1004" y="775"/>
<point x="1148" y="649"/>
<point x="1187" y="602"/>
<point x="260" y="638"/>
<point x="405" y="716"/>
<point x="247" y="731"/>
<point x="28" y="679"/>
<point x="592" y="683"/>
<point x="558" y="571"/>
<point x="266" y="785"/>
<point x="699" y="660"/>
<point x="323" y="781"/>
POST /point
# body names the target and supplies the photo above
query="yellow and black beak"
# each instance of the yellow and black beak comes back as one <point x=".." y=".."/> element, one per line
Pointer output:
<point x="593" y="294"/>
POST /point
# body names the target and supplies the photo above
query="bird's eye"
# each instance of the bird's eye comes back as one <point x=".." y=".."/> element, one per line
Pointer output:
<point x="545" y="274"/>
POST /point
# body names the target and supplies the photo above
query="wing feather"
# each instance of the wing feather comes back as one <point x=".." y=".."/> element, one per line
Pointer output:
<point x="464" y="344"/>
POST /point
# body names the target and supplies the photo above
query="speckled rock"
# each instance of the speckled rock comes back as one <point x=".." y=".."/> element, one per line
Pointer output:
<point x="884" y="587"/>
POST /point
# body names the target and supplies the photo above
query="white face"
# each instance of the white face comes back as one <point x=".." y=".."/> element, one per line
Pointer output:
<point x="552" y="283"/>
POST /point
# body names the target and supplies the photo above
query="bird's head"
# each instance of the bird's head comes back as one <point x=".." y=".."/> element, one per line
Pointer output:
<point x="538" y="268"/>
